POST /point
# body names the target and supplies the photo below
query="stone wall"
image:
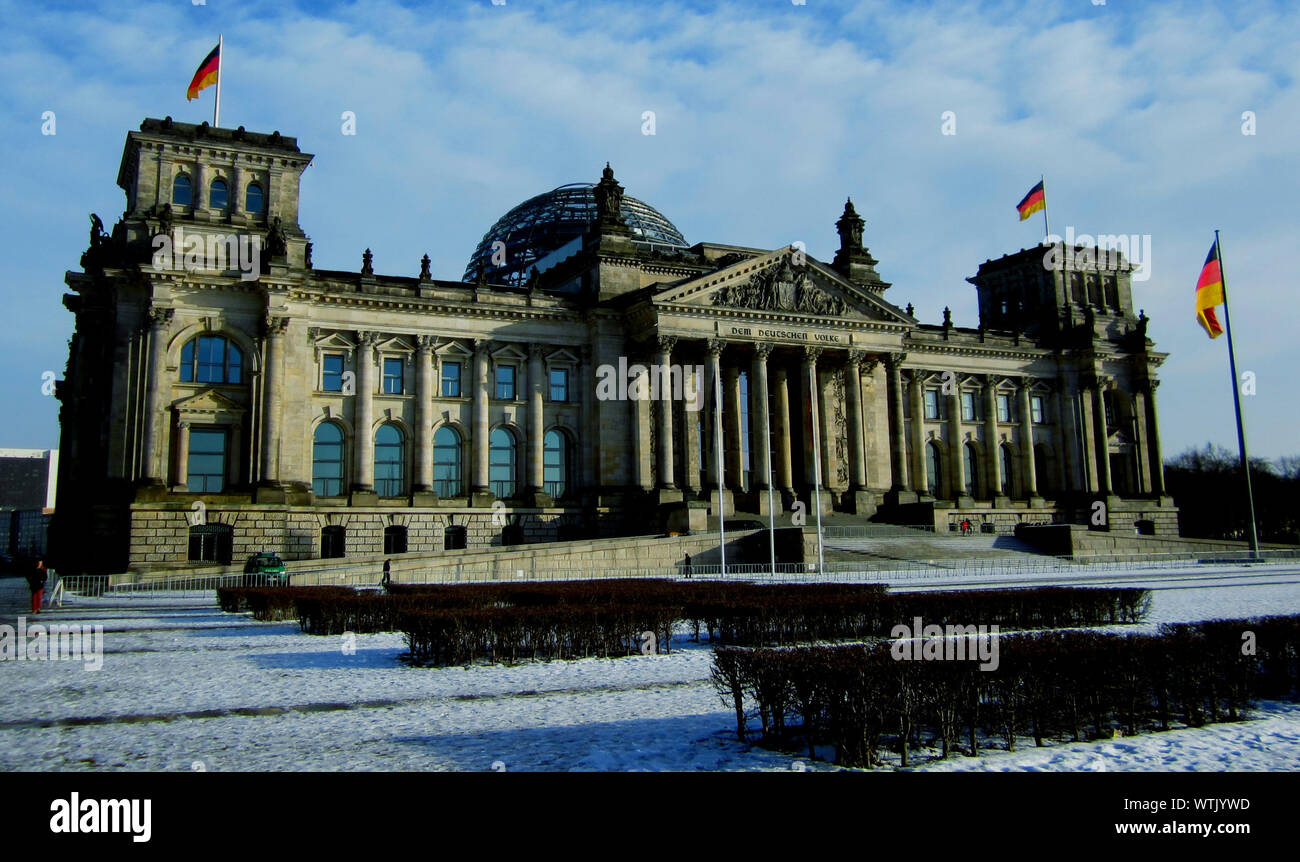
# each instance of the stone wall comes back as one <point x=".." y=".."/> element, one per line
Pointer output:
<point x="1078" y="541"/>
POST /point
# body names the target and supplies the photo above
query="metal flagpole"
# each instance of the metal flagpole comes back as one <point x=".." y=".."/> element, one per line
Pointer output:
<point x="221" y="61"/>
<point x="1236" y="400"/>
<point x="717" y="444"/>
<point x="817" y="464"/>
<point x="1046" y="223"/>
<point x="771" y="508"/>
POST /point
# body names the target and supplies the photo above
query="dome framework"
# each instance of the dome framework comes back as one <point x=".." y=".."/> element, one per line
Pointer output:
<point x="547" y="222"/>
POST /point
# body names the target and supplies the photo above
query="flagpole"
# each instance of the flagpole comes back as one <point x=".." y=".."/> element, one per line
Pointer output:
<point x="817" y="464"/>
<point x="1047" y="225"/>
<point x="221" y="61"/>
<point x="1253" y="536"/>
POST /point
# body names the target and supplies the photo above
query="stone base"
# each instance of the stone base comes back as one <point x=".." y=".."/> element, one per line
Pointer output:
<point x="667" y="495"/>
<point x="270" y="494"/>
<point x="728" y="503"/>
<point x="861" y="503"/>
<point x="690" y="517"/>
<point x="424" y="498"/>
<point x="536" y="499"/>
<point x="482" y="499"/>
<point x="965" y="502"/>
<point x="809" y="499"/>
<point x="898" y="497"/>
<point x="1037" y="503"/>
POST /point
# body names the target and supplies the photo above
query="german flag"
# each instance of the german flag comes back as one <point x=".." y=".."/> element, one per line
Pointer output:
<point x="1032" y="202"/>
<point x="206" y="76"/>
<point x="1209" y="292"/>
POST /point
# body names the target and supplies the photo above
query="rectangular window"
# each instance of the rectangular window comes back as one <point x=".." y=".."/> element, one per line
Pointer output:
<point x="506" y="382"/>
<point x="968" y="406"/>
<point x="932" y="404"/>
<point x="1036" y="409"/>
<point x="206" y="465"/>
<point x="393" y="376"/>
<point x="559" y="384"/>
<point x="332" y="372"/>
<point x="1004" y="408"/>
<point x="451" y="380"/>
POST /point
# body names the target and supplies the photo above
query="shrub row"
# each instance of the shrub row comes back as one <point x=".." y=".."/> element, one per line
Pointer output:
<point x="445" y="637"/>
<point x="274" y="603"/>
<point x="1068" y="685"/>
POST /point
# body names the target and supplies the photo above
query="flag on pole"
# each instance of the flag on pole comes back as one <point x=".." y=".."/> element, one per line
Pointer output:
<point x="206" y="75"/>
<point x="1032" y="202"/>
<point x="1209" y="292"/>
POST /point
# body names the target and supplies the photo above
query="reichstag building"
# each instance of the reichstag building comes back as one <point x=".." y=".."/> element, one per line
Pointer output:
<point x="226" y="397"/>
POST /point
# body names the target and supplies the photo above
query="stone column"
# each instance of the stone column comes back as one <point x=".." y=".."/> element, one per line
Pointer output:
<point x="857" y="444"/>
<point x="956" y="465"/>
<point x="731" y="434"/>
<point x="424" y="414"/>
<point x="199" y="194"/>
<point x="1153" y="434"/>
<point x="156" y="327"/>
<point x="711" y="373"/>
<point x="813" y="387"/>
<point x="236" y="203"/>
<point x="897" y="428"/>
<point x="587" y="451"/>
<point x="183" y="456"/>
<point x="1065" y="478"/>
<point x="479" y="423"/>
<point x="1103" y="439"/>
<point x="664" y="359"/>
<point x="639" y="389"/>
<point x="826" y="419"/>
<point x="272" y="392"/>
<point x="784" y="462"/>
<point x="690" y="417"/>
<point x="992" y="446"/>
<point x="1029" y="469"/>
<point x="363" y="415"/>
<point x="536" y="429"/>
<point x="761" y="440"/>
<point x="1088" y="445"/>
<point x="916" y="398"/>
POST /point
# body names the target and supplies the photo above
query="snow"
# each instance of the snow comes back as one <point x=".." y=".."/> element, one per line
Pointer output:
<point x="184" y="686"/>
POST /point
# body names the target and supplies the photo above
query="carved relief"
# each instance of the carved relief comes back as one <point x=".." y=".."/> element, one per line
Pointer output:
<point x="839" y="431"/>
<point x="780" y="289"/>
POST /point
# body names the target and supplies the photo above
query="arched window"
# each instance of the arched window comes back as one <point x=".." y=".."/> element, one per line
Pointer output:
<point x="555" y="464"/>
<point x="333" y="542"/>
<point x="389" y="461"/>
<point x="454" y="538"/>
<point x="254" y="199"/>
<point x="501" y="463"/>
<point x="211" y="359"/>
<point x="182" y="191"/>
<point x="446" y="463"/>
<point x="932" y="468"/>
<point x="212" y="543"/>
<point x="970" y="462"/>
<point x="1008" y="473"/>
<point x="327" y="460"/>
<point x="395" y="539"/>
<point x="218" y="195"/>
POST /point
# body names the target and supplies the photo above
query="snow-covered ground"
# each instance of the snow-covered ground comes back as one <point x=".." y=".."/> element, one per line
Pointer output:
<point x="184" y="686"/>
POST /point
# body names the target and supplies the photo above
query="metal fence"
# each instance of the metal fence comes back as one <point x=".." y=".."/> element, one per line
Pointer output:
<point x="989" y="569"/>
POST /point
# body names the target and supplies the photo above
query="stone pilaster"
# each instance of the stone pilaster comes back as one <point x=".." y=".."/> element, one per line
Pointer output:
<point x="157" y="327"/>
<point x="901" y="491"/>
<point x="480" y="491"/>
<point x="423" y="490"/>
<point x="1029" y="468"/>
<point x="784" y="463"/>
<point x="363" y="420"/>
<point x="760" y="420"/>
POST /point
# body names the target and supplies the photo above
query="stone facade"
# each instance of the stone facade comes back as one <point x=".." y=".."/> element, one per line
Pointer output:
<point x="216" y="408"/>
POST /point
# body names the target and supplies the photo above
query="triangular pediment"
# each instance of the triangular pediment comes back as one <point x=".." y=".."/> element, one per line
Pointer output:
<point x="209" y="402"/>
<point x="785" y="281"/>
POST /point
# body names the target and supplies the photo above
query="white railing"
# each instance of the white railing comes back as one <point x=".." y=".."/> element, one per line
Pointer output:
<point x="990" y="569"/>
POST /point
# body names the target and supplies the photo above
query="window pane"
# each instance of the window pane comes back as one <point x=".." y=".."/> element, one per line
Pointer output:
<point x="1036" y="408"/>
<point x="187" y="362"/>
<point x="181" y="191"/>
<point x="931" y="404"/>
<point x="446" y="462"/>
<point x="968" y="406"/>
<point x="1004" y="408"/>
<point x="506" y="382"/>
<point x="501" y="463"/>
<point x="254" y="201"/>
<point x="389" y="461"/>
<point x="559" y="384"/>
<point x="206" y="464"/>
<point x="327" y="461"/>
<point x="217" y="197"/>
<point x="332" y="372"/>
<point x="393" y="376"/>
<point x="451" y="379"/>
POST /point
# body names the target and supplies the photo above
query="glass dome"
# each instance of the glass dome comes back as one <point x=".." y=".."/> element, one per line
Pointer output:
<point x="546" y="229"/>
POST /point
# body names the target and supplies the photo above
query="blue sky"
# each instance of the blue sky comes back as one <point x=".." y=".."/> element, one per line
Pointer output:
<point x="767" y="115"/>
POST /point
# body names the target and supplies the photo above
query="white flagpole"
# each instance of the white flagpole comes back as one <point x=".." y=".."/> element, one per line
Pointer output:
<point x="221" y="61"/>
<point x="817" y="463"/>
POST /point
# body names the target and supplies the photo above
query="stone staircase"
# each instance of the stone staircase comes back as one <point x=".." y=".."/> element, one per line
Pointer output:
<point x="883" y="542"/>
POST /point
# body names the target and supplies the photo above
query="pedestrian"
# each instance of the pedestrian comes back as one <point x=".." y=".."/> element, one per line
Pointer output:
<point x="688" y="565"/>
<point x="36" y="583"/>
<point x="388" y="571"/>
